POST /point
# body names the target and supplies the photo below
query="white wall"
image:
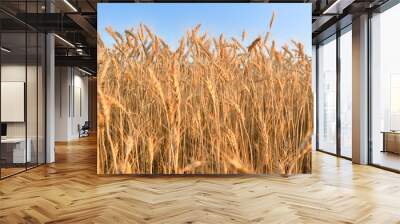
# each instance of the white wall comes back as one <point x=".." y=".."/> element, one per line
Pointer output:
<point x="14" y="72"/>
<point x="62" y="81"/>
<point x="70" y="84"/>
<point x="79" y="117"/>
<point x="33" y="127"/>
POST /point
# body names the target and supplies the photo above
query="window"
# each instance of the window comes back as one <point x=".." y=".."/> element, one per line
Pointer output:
<point x="327" y="96"/>
<point x="385" y="89"/>
<point x="346" y="93"/>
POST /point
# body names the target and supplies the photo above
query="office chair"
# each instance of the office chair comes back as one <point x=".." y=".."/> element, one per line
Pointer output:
<point x="84" y="130"/>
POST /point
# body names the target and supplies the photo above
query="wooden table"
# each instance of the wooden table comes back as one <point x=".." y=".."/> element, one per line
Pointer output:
<point x="391" y="141"/>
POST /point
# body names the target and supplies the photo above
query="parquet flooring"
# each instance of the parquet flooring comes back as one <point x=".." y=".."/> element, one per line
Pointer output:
<point x="69" y="191"/>
<point x="10" y="171"/>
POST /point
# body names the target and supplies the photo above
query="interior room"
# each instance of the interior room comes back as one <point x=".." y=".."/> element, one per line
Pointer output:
<point x="108" y="117"/>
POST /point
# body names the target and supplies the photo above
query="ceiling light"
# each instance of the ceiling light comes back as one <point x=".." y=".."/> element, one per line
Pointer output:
<point x="65" y="41"/>
<point x="84" y="71"/>
<point x="5" y="50"/>
<point x="70" y="5"/>
<point x="79" y="51"/>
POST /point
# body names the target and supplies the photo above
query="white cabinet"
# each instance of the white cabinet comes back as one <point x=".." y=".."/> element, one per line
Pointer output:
<point x="17" y="146"/>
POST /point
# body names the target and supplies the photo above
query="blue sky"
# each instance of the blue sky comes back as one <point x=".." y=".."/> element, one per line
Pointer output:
<point x="171" y="21"/>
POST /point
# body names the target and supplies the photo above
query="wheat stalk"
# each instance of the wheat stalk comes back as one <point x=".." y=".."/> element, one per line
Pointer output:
<point x="210" y="106"/>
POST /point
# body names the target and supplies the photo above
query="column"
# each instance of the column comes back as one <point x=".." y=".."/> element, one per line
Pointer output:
<point x="360" y="90"/>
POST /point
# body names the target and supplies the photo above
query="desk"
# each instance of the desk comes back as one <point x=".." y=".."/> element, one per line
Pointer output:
<point x="13" y="150"/>
<point x="391" y="141"/>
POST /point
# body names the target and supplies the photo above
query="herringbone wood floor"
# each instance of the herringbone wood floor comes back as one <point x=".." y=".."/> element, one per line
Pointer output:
<point x="69" y="191"/>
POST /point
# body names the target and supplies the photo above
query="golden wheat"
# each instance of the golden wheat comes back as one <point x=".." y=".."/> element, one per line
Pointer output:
<point x="210" y="107"/>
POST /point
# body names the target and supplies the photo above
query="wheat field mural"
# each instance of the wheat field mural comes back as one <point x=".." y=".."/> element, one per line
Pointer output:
<point x="211" y="106"/>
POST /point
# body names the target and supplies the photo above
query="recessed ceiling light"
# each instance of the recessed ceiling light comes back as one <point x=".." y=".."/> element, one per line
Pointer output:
<point x="84" y="71"/>
<point x="65" y="41"/>
<point x="5" y="50"/>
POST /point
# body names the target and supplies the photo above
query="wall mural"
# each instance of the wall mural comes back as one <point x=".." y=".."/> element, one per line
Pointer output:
<point x="209" y="103"/>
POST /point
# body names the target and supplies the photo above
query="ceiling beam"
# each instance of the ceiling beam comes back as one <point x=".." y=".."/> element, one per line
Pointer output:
<point x="84" y="24"/>
<point x="337" y="7"/>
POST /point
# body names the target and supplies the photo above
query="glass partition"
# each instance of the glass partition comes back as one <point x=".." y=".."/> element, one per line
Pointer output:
<point x="14" y="155"/>
<point x="22" y="78"/>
